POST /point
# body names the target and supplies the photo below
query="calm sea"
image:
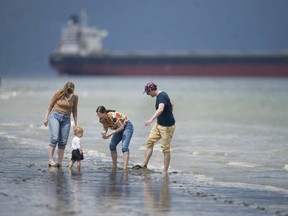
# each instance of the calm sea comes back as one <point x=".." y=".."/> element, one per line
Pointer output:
<point x="229" y="132"/>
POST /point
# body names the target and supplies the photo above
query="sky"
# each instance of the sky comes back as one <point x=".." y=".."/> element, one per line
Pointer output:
<point x="30" y="29"/>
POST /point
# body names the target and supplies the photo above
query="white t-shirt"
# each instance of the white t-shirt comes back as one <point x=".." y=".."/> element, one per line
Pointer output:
<point x="76" y="143"/>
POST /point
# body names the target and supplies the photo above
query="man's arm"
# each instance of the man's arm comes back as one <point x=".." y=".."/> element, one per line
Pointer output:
<point x="156" y="114"/>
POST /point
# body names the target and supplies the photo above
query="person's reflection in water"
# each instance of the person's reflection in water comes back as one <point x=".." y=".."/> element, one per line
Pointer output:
<point x="58" y="192"/>
<point x="113" y="193"/>
<point x="118" y="185"/>
<point x="76" y="179"/>
<point x="124" y="176"/>
<point x="157" y="195"/>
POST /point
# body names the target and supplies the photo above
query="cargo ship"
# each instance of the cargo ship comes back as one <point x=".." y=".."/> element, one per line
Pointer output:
<point x="80" y="52"/>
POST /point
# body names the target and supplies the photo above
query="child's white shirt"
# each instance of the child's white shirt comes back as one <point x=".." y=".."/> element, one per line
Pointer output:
<point x="76" y="143"/>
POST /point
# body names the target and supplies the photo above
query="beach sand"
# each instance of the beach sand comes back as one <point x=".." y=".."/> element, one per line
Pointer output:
<point x="30" y="187"/>
<point x="228" y="151"/>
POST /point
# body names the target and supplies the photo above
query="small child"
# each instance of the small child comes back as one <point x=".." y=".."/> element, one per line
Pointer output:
<point x="77" y="152"/>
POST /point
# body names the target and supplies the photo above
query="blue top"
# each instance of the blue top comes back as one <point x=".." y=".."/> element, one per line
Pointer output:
<point x="166" y="118"/>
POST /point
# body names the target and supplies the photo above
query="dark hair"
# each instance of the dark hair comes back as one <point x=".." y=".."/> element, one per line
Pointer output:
<point x="150" y="86"/>
<point x="102" y="109"/>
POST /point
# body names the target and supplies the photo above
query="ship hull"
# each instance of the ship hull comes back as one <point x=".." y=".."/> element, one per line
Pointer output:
<point x="172" y="65"/>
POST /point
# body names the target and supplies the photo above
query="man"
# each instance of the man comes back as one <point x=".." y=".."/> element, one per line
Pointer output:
<point x="162" y="129"/>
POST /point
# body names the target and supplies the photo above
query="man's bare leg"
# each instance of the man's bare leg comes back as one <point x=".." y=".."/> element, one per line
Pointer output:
<point x="167" y="158"/>
<point x="147" y="156"/>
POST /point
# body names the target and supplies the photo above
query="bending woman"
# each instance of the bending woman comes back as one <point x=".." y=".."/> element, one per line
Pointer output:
<point x="122" y="131"/>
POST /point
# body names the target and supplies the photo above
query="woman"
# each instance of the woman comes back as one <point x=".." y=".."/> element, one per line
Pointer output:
<point x="122" y="130"/>
<point x="63" y="103"/>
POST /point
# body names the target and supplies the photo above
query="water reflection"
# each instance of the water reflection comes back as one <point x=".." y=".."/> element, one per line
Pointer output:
<point x="157" y="195"/>
<point x="57" y="190"/>
<point x="108" y="191"/>
<point x="75" y="189"/>
<point x="61" y="199"/>
<point x="117" y="186"/>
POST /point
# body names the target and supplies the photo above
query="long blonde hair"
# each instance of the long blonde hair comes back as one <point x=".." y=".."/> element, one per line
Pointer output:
<point x="68" y="88"/>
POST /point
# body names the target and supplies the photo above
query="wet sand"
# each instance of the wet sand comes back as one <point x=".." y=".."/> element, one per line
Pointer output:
<point x="30" y="187"/>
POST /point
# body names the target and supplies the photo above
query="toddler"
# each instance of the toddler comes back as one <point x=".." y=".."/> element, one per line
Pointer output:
<point x="77" y="152"/>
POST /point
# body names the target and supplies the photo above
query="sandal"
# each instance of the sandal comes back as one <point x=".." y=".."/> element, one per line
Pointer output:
<point x="52" y="164"/>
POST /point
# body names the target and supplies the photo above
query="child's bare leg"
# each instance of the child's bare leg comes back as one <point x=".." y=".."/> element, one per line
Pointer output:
<point x="71" y="164"/>
<point x="79" y="166"/>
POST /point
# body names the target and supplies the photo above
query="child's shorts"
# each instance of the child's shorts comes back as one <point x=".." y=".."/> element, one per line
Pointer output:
<point x="76" y="156"/>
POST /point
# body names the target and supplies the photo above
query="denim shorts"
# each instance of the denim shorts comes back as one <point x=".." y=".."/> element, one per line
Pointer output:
<point x="59" y="125"/>
<point x="124" y="135"/>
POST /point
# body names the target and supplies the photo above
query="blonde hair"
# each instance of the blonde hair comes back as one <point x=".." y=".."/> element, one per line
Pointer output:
<point x="78" y="130"/>
<point x="68" y="87"/>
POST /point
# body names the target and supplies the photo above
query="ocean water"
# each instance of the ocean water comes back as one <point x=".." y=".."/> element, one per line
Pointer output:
<point x="230" y="132"/>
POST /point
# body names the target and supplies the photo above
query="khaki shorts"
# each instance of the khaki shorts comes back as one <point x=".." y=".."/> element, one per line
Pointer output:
<point x="159" y="132"/>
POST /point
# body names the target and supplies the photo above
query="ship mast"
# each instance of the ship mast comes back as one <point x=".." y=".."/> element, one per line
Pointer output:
<point x="83" y="18"/>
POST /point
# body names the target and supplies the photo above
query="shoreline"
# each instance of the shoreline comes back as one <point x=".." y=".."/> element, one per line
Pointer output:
<point x="30" y="187"/>
<point x="221" y="163"/>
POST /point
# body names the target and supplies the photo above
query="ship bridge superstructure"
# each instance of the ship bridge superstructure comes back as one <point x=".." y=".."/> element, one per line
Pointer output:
<point x="78" y="38"/>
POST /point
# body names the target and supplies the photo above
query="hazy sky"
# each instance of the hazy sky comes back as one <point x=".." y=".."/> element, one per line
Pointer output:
<point x="30" y="29"/>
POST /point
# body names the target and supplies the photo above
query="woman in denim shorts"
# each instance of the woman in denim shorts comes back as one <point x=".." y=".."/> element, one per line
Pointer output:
<point x="63" y="103"/>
